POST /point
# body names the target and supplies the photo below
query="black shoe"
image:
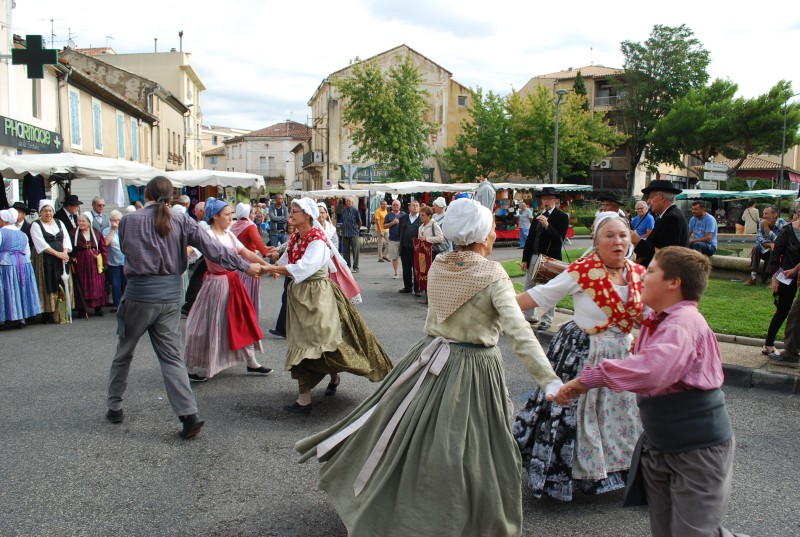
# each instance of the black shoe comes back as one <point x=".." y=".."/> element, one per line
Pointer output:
<point x="260" y="369"/>
<point x="297" y="408"/>
<point x="194" y="377"/>
<point x="191" y="425"/>
<point x="543" y="326"/>
<point x="354" y="270"/>
<point x="114" y="416"/>
<point x="98" y="312"/>
<point x="276" y="333"/>
<point x="330" y="391"/>
<point x="113" y="310"/>
<point x="404" y="290"/>
<point x="779" y="358"/>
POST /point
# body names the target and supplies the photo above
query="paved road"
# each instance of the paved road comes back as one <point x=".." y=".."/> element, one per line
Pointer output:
<point x="67" y="471"/>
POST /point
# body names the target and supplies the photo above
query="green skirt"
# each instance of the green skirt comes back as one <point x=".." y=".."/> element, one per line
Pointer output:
<point x="451" y="466"/>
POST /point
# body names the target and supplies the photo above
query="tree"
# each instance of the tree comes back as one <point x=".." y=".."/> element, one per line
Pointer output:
<point x="484" y="147"/>
<point x="579" y="87"/>
<point x="666" y="66"/>
<point x="388" y="113"/>
<point x="712" y="121"/>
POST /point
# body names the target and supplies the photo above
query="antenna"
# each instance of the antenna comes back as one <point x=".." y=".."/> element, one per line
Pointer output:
<point x="109" y="37"/>
<point x="180" y="39"/>
<point x="155" y="44"/>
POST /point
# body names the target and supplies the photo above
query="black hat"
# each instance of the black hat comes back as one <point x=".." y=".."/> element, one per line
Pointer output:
<point x="72" y="199"/>
<point x="21" y="207"/>
<point x="548" y="191"/>
<point x="661" y="186"/>
<point x="612" y="197"/>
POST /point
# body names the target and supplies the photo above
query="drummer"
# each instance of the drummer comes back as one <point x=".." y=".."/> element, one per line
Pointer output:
<point x="596" y="435"/>
<point x="545" y="237"/>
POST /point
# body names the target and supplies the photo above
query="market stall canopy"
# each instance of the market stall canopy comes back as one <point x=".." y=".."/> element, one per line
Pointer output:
<point x="540" y="186"/>
<point x="414" y="187"/>
<point x="77" y="166"/>
<point x="322" y="194"/>
<point x="216" y="178"/>
<point x="734" y="194"/>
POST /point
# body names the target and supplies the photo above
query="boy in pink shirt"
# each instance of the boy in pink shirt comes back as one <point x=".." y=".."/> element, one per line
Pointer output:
<point x="683" y="461"/>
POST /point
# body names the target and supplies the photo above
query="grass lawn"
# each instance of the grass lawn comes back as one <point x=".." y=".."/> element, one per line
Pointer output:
<point x="728" y="306"/>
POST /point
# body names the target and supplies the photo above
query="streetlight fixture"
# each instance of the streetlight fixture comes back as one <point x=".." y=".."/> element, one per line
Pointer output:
<point x="561" y="94"/>
<point x="783" y="140"/>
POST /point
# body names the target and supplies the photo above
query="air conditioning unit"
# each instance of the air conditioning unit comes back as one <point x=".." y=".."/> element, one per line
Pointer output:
<point x="317" y="156"/>
<point x="605" y="163"/>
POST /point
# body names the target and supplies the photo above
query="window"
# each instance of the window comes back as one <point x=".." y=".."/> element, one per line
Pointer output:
<point x="75" y="118"/>
<point x="97" y="124"/>
<point x="135" y="140"/>
<point x="214" y="140"/>
<point x="36" y="97"/>
<point x="462" y="100"/>
<point x="213" y="161"/>
<point x="158" y="140"/>
<point x="146" y="143"/>
<point x="271" y="166"/>
<point x="262" y="165"/>
<point x="120" y="134"/>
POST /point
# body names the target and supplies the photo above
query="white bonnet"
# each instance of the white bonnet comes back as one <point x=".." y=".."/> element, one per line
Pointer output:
<point x="440" y="202"/>
<point x="45" y="202"/>
<point x="9" y="216"/>
<point x="467" y="222"/>
<point x="243" y="210"/>
<point x="308" y="206"/>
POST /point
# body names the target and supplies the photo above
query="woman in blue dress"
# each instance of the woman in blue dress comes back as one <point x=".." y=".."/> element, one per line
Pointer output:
<point x="19" y="296"/>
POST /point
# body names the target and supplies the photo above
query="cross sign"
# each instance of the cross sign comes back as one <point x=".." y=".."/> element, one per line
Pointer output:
<point x="35" y="57"/>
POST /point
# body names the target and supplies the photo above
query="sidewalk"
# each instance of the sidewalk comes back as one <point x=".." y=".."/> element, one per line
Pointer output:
<point x="743" y="363"/>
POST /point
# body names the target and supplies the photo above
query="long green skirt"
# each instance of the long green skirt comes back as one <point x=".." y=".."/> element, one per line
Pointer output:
<point x="451" y="467"/>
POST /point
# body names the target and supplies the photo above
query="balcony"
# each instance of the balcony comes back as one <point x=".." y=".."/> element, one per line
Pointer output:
<point x="312" y="158"/>
<point x="607" y="101"/>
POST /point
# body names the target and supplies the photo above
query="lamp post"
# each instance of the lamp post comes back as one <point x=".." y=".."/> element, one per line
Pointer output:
<point x="560" y="94"/>
<point x="783" y="140"/>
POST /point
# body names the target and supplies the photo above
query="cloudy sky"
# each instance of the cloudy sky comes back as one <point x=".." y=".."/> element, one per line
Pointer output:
<point x="262" y="60"/>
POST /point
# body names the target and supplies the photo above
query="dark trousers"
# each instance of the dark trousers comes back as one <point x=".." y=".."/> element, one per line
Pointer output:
<point x="352" y="245"/>
<point x="407" y="260"/>
<point x="756" y="257"/>
<point x="280" y="324"/>
<point x="195" y="283"/>
<point x="785" y="296"/>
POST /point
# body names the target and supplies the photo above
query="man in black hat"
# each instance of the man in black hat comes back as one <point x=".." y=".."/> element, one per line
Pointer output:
<point x="611" y="203"/>
<point x="69" y="215"/>
<point x="671" y="228"/>
<point x="545" y="237"/>
<point x="22" y="224"/>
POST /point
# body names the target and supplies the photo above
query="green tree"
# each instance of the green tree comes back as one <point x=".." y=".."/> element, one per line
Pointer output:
<point x="388" y="110"/>
<point x="579" y="87"/>
<point x="712" y="121"/>
<point x="658" y="71"/>
<point x="484" y="147"/>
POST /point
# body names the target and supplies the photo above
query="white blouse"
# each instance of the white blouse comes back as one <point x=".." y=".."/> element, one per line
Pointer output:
<point x="227" y="240"/>
<point x="316" y="256"/>
<point x="587" y="313"/>
<point x="38" y="239"/>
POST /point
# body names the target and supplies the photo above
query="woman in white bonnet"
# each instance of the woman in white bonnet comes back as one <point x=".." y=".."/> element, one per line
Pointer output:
<point x="432" y="447"/>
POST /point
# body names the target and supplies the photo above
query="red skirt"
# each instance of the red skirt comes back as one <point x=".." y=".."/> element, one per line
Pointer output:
<point x="423" y="254"/>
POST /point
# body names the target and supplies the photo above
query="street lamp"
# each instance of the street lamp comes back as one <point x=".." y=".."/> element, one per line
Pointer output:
<point x="783" y="140"/>
<point x="560" y="94"/>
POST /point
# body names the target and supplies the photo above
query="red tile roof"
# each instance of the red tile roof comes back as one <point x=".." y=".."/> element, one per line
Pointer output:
<point x="590" y="71"/>
<point x="291" y="129"/>
<point x="95" y="51"/>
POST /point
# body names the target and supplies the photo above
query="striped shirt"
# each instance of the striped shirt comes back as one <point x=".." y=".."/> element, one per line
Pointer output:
<point x="351" y="222"/>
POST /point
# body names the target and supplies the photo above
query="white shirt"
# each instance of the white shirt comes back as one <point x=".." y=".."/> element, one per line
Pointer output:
<point x="38" y="239"/>
<point x="316" y="256"/>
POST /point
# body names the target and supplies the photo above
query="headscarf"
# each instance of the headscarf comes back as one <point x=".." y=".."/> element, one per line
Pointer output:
<point x="9" y="216"/>
<point x="89" y="216"/>
<point x="44" y="202"/>
<point x="440" y="202"/>
<point x="243" y="211"/>
<point x="467" y="222"/>
<point x="213" y="206"/>
<point x="308" y="206"/>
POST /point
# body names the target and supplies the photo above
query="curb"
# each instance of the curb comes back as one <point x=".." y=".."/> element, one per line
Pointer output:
<point x="735" y="375"/>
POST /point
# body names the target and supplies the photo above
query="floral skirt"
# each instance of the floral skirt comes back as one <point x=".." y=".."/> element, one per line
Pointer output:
<point x="589" y="443"/>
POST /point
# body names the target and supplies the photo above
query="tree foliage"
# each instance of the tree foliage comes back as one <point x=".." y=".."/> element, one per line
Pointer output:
<point x="712" y="121"/>
<point x="666" y="66"/>
<point x="388" y="110"/>
<point x="579" y="87"/>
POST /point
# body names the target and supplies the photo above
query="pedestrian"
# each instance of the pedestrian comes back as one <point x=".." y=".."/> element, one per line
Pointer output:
<point x="785" y="256"/>
<point x="100" y="221"/>
<point x="89" y="258"/>
<point x="409" y="230"/>
<point x="524" y="216"/>
<point x="19" y="299"/>
<point x="325" y="334"/>
<point x="430" y="452"/>
<point x="768" y="229"/>
<point x="68" y="214"/>
<point x="702" y="230"/>
<point x="431" y="243"/>
<point x="750" y="218"/>
<point x="116" y="259"/>
<point x="50" y="262"/>
<point x="643" y="222"/>
<point x="381" y="232"/>
<point x="278" y="221"/>
<point x="198" y="263"/>
<point x="671" y="228"/>
<point x="591" y="450"/>
<point x="351" y="231"/>
<point x="486" y="193"/>
<point x="154" y="242"/>
<point x="683" y="464"/>
<point x="392" y="223"/>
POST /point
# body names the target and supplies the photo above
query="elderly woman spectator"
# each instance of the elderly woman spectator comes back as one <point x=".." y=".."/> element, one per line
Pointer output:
<point x="19" y="298"/>
<point x="430" y="233"/>
<point x="588" y="444"/>
<point x="325" y="333"/>
<point x="89" y="258"/>
<point x="222" y="328"/>
<point x="432" y="447"/>
<point x="116" y="259"/>
<point x="50" y="261"/>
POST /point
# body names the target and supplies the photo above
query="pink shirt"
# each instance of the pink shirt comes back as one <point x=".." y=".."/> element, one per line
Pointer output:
<point x="679" y="355"/>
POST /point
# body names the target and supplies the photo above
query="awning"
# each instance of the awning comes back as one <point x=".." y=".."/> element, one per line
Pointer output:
<point x="216" y="178"/>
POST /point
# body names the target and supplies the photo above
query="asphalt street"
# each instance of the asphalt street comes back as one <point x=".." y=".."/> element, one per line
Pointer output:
<point x="67" y="471"/>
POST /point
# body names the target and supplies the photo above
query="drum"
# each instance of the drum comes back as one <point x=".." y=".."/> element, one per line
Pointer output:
<point x="548" y="268"/>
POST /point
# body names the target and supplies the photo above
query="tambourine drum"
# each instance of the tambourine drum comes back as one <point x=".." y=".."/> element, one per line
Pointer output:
<point x="548" y="268"/>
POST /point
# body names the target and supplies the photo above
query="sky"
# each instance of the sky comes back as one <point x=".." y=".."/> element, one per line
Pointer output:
<point x="261" y="61"/>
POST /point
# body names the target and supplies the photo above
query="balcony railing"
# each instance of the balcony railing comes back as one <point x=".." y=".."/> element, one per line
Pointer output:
<point x="312" y="157"/>
<point x="610" y="100"/>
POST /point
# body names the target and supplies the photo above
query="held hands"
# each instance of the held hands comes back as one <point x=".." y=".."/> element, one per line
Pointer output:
<point x="543" y="220"/>
<point x="255" y="270"/>
<point x="570" y="391"/>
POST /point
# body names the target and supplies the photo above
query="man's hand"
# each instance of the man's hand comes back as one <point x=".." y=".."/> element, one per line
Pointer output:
<point x="524" y="266"/>
<point x="635" y="238"/>
<point x="570" y="391"/>
<point x="254" y="270"/>
<point x="542" y="219"/>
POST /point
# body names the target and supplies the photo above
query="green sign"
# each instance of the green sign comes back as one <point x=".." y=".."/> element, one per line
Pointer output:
<point x="15" y="133"/>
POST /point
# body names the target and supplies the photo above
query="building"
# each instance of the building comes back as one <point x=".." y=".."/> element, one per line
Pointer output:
<point x="269" y="152"/>
<point x="214" y="159"/>
<point x="173" y="71"/>
<point x="213" y="136"/>
<point x="329" y="159"/>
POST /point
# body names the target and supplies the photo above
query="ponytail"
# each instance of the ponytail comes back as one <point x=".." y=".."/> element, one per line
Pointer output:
<point x="159" y="189"/>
